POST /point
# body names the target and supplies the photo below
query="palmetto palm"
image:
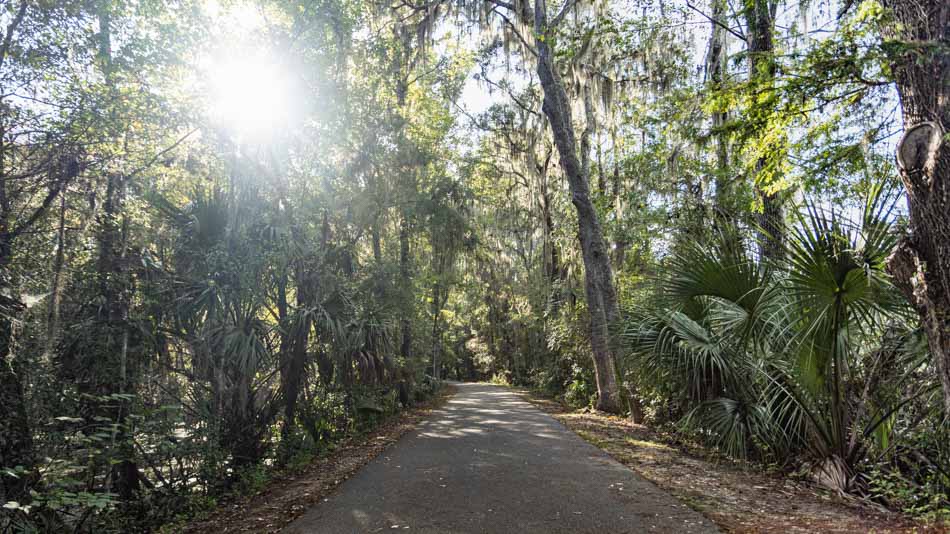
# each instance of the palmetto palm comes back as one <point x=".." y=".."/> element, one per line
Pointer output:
<point x="768" y="355"/>
<point x="702" y="338"/>
<point x="219" y="316"/>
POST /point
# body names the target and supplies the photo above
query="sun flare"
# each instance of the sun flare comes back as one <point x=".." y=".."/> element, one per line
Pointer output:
<point x="250" y="96"/>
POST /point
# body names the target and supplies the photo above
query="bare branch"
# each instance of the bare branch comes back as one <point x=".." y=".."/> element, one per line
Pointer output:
<point x="722" y="25"/>
<point x="158" y="155"/>
<point x="523" y="105"/>
<point x="565" y="9"/>
<point x="31" y="220"/>
<point x="507" y="5"/>
<point x="514" y="30"/>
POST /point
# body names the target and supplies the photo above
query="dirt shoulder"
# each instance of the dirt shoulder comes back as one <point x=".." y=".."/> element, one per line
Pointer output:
<point x="286" y="498"/>
<point x="737" y="497"/>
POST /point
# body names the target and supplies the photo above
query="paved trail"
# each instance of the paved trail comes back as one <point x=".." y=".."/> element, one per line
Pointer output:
<point x="491" y="462"/>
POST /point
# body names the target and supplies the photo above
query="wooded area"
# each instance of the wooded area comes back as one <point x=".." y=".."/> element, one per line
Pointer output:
<point x="234" y="232"/>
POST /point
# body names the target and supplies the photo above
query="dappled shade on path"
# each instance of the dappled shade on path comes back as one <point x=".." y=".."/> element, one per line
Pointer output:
<point x="491" y="462"/>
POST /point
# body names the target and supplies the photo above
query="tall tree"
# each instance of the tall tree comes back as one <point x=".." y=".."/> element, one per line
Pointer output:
<point x="920" y="62"/>
<point x="716" y="64"/>
<point x="33" y="156"/>
<point x="760" y="30"/>
<point x="109" y="382"/>
<point x="598" y="276"/>
<point x="530" y="28"/>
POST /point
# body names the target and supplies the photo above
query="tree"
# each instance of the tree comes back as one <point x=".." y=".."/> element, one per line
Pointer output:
<point x="539" y="49"/>
<point x="716" y="70"/>
<point x="760" y="24"/>
<point x="28" y="162"/>
<point x="598" y="275"/>
<point x="449" y="234"/>
<point x="920" y="61"/>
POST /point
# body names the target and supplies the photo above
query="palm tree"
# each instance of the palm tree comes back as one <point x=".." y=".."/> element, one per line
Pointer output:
<point x="775" y="359"/>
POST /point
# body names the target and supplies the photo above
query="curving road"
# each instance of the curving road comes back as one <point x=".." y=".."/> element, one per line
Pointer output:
<point x="491" y="462"/>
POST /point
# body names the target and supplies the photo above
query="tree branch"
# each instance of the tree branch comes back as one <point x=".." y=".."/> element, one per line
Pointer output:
<point x="514" y="30"/>
<point x="158" y="155"/>
<point x="565" y="9"/>
<point x="722" y="25"/>
<point x="31" y="220"/>
<point x="11" y="28"/>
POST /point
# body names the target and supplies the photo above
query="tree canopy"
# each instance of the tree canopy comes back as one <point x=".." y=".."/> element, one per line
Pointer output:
<point x="234" y="232"/>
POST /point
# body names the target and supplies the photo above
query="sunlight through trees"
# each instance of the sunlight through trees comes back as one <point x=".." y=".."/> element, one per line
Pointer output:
<point x="234" y="234"/>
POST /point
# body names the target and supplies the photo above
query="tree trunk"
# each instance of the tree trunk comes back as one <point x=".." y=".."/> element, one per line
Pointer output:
<point x="295" y="338"/>
<point x="436" y="333"/>
<point x="111" y="373"/>
<point x="293" y="346"/>
<point x="921" y="262"/>
<point x="55" y="299"/>
<point x="16" y="441"/>
<point x="291" y="370"/>
<point x="377" y="246"/>
<point x="598" y="284"/>
<point x="715" y="71"/>
<point x="402" y="66"/>
<point x="620" y="237"/>
<point x="760" y="21"/>
<point x="110" y="377"/>
<point x="551" y="259"/>
<point x="405" y="323"/>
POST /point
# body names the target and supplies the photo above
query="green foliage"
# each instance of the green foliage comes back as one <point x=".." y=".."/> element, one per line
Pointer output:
<point x="204" y="307"/>
<point x="580" y="390"/>
<point x="780" y="363"/>
<point x="500" y="380"/>
<point x="927" y="501"/>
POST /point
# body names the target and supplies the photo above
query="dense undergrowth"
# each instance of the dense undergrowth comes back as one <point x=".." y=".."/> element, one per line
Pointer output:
<point x="813" y="366"/>
<point x="233" y="233"/>
<point x="188" y="472"/>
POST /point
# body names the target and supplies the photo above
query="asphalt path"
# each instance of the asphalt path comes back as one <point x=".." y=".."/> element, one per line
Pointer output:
<point x="490" y="462"/>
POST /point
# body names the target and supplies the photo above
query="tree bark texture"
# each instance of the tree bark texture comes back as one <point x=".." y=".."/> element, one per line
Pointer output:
<point x="920" y="265"/>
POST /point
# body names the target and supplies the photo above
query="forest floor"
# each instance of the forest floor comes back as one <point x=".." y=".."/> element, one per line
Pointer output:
<point x="285" y="498"/>
<point x="737" y="497"/>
